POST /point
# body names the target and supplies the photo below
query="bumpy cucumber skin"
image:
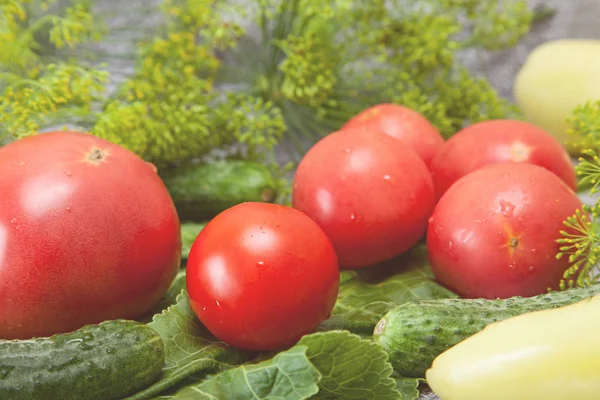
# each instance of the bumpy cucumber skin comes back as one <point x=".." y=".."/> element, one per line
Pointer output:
<point x="414" y="334"/>
<point x="201" y="191"/>
<point x="106" y="361"/>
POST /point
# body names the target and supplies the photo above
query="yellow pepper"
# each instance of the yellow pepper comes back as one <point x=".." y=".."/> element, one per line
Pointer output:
<point x="544" y="355"/>
<point x="556" y="77"/>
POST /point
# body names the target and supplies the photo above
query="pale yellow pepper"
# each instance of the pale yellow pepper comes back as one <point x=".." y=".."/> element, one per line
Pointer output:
<point x="545" y="355"/>
<point x="556" y="77"/>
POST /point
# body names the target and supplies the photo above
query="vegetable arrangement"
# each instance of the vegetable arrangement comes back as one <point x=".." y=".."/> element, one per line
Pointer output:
<point x="418" y="231"/>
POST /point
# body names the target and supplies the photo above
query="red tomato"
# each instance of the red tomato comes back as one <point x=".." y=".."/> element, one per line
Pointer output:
<point x="261" y="275"/>
<point x="88" y="232"/>
<point x="493" y="233"/>
<point x="371" y="194"/>
<point x="496" y="141"/>
<point x="403" y="123"/>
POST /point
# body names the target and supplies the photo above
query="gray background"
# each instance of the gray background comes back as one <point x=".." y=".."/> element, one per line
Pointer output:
<point x="574" y="19"/>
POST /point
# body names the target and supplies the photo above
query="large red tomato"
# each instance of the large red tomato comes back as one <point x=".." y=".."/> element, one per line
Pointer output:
<point x="493" y="233"/>
<point x="403" y="123"/>
<point x="370" y="192"/>
<point x="496" y="141"/>
<point x="88" y="232"/>
<point x="261" y="275"/>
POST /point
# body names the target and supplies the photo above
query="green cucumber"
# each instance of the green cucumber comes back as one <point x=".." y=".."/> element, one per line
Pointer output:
<point x="105" y="361"/>
<point x="414" y="334"/>
<point x="201" y="191"/>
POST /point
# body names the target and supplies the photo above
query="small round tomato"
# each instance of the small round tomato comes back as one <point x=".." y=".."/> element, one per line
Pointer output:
<point x="261" y="275"/>
<point x="496" y="141"/>
<point x="88" y="232"/>
<point x="403" y="123"/>
<point x="493" y="233"/>
<point x="370" y="192"/>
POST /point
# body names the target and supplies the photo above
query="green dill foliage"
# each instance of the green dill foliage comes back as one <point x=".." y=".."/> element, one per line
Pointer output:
<point x="39" y="86"/>
<point x="581" y="241"/>
<point x="320" y="62"/>
<point x="171" y="110"/>
<point x="585" y="126"/>
<point x="243" y="75"/>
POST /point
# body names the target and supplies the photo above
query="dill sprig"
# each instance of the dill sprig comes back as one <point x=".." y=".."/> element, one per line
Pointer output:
<point x="37" y="87"/>
<point x="216" y="75"/>
<point x="581" y="241"/>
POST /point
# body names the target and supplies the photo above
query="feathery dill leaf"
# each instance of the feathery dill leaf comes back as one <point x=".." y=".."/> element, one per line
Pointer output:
<point x="171" y="109"/>
<point x="321" y="62"/>
<point x="581" y="242"/>
<point x="37" y="89"/>
<point x="217" y="74"/>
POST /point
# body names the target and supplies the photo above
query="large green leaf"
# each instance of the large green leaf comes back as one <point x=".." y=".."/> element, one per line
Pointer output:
<point x="351" y="367"/>
<point x="189" y="348"/>
<point x="366" y="295"/>
<point x="408" y="387"/>
<point x="288" y="376"/>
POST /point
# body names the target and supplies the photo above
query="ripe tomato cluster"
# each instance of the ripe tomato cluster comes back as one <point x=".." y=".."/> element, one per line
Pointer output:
<point x="489" y="202"/>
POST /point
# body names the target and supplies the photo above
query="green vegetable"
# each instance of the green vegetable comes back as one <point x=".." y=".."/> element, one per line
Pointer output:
<point x="366" y="295"/>
<point x="414" y="334"/>
<point x="189" y="233"/>
<point x="99" y="362"/>
<point x="201" y="191"/>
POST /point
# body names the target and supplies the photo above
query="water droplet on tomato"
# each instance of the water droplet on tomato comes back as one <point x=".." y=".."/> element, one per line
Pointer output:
<point x="203" y="308"/>
<point x="68" y="209"/>
<point x="22" y="164"/>
<point x="507" y="208"/>
<point x="531" y="268"/>
<point x="387" y="178"/>
<point x="512" y="265"/>
<point x="450" y="245"/>
<point x="276" y="225"/>
<point x="347" y="151"/>
<point x="13" y="221"/>
<point x="260" y="263"/>
<point x="68" y="174"/>
<point x="534" y="251"/>
<point x="217" y="303"/>
<point x="352" y="216"/>
<point x="430" y="220"/>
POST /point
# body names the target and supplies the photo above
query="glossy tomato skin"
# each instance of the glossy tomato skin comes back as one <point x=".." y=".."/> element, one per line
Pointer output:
<point x="496" y="141"/>
<point x="403" y="123"/>
<point x="261" y="275"/>
<point x="493" y="233"/>
<point x="371" y="194"/>
<point x="88" y="232"/>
